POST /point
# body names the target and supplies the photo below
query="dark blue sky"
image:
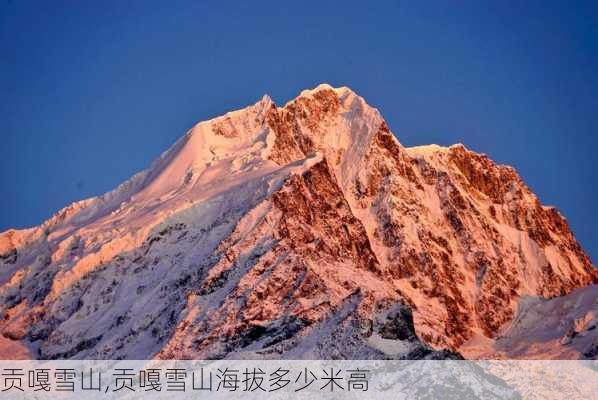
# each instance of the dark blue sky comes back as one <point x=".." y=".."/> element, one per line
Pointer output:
<point x="92" y="91"/>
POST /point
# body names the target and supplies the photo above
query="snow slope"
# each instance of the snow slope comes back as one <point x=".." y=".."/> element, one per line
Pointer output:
<point x="559" y="328"/>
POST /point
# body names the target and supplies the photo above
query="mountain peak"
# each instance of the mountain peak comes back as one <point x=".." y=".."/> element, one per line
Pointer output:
<point x="265" y="101"/>
<point x="341" y="91"/>
<point x="264" y="226"/>
<point x="321" y="86"/>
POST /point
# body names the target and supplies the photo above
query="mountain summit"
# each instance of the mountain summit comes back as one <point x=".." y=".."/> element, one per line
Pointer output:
<point x="302" y="231"/>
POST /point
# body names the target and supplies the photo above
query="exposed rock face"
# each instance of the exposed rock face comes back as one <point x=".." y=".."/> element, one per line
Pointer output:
<point x="304" y="231"/>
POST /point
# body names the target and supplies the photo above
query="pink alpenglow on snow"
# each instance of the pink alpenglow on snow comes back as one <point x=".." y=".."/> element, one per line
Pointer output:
<point x="302" y="231"/>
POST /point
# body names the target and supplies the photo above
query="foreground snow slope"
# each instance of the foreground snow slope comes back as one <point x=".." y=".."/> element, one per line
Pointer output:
<point x="269" y="231"/>
<point x="559" y="328"/>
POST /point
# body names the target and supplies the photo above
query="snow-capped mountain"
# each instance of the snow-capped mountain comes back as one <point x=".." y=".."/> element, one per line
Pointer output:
<point x="302" y="231"/>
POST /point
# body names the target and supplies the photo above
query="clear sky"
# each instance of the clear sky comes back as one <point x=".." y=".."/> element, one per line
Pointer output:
<point x="92" y="91"/>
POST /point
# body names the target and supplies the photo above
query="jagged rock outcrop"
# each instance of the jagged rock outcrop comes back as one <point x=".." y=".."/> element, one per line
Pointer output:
<point x="302" y="231"/>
